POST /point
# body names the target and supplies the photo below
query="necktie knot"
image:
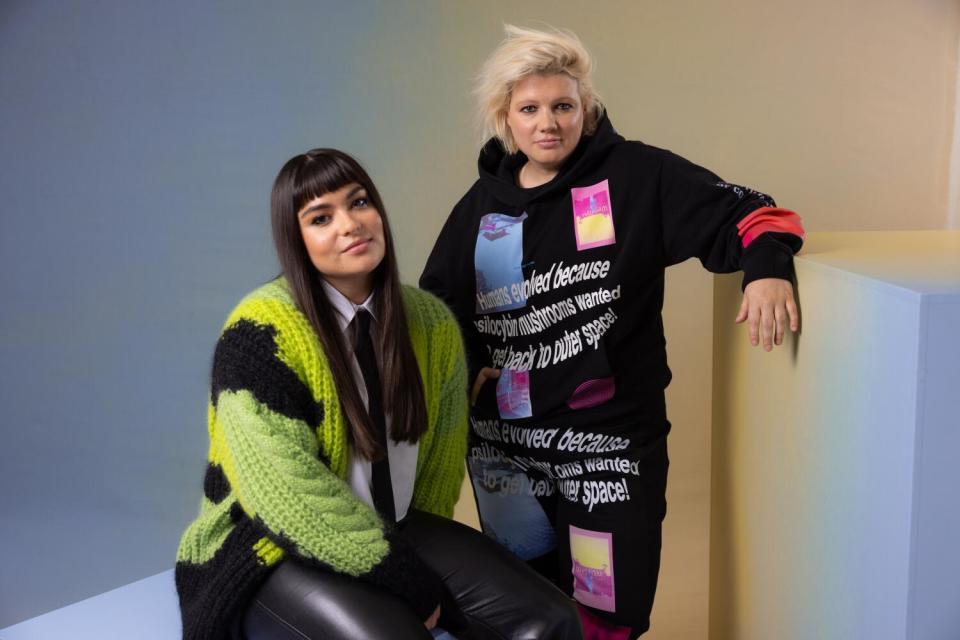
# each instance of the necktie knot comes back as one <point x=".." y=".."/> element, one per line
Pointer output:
<point x="362" y="340"/>
<point x="363" y="318"/>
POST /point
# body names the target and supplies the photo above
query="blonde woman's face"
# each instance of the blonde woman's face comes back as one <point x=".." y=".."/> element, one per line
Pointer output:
<point x="546" y="119"/>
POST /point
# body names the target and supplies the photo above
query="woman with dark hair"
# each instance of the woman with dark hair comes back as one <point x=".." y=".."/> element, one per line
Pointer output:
<point x="337" y="423"/>
<point x="554" y="264"/>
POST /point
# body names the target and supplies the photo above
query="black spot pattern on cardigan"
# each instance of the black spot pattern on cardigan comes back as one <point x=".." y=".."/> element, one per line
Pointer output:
<point x="215" y="485"/>
<point x="238" y="364"/>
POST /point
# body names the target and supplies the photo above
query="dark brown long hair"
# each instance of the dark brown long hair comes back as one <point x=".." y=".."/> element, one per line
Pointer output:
<point x="303" y="178"/>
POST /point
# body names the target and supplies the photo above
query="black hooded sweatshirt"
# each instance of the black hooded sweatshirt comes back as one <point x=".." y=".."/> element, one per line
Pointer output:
<point x="561" y="285"/>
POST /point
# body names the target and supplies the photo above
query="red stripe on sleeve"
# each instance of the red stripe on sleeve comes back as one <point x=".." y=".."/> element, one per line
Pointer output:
<point x="768" y="219"/>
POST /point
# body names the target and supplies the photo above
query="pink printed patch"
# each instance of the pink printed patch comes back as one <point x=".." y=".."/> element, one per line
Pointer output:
<point x="592" y="567"/>
<point x="513" y="394"/>
<point x="592" y="393"/>
<point x="596" y="628"/>
<point x="593" y="216"/>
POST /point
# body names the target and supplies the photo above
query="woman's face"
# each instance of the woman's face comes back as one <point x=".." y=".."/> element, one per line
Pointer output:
<point x="343" y="233"/>
<point x="546" y="118"/>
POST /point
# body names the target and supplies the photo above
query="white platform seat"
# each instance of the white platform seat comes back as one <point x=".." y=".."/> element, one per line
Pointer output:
<point x="145" y="610"/>
<point x="836" y="459"/>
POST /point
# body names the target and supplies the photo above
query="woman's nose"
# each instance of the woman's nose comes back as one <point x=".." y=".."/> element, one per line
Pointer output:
<point x="547" y="121"/>
<point x="349" y="224"/>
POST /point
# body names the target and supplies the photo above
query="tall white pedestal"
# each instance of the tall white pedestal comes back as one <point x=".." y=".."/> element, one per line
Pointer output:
<point x="836" y="459"/>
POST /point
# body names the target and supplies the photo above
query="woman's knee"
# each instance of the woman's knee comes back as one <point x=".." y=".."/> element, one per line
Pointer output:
<point x="302" y="602"/>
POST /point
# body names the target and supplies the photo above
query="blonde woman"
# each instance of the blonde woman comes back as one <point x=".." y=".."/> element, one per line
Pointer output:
<point x="553" y="263"/>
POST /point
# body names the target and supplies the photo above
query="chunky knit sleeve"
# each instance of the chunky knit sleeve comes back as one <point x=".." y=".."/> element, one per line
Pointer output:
<point x="264" y="432"/>
<point x="435" y="335"/>
<point x="441" y="474"/>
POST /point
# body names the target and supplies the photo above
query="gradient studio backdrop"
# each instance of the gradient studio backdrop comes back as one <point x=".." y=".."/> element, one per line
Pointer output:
<point x="140" y="141"/>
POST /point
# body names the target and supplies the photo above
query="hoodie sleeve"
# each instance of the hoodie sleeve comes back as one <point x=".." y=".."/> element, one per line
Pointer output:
<point x="438" y="275"/>
<point x="726" y="226"/>
<point x="449" y="275"/>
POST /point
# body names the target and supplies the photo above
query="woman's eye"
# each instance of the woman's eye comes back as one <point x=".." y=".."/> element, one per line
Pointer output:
<point x="528" y="109"/>
<point x="360" y="203"/>
<point x="320" y="220"/>
<point x="564" y="106"/>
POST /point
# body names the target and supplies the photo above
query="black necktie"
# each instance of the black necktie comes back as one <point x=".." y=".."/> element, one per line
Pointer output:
<point x="382" y="486"/>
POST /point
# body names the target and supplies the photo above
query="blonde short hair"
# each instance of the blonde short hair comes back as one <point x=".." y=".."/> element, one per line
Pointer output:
<point x="527" y="52"/>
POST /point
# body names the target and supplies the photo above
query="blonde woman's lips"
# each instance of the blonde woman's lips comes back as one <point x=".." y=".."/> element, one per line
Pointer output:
<point x="549" y="143"/>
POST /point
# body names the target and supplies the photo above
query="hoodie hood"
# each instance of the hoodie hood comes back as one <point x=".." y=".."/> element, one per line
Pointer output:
<point x="498" y="168"/>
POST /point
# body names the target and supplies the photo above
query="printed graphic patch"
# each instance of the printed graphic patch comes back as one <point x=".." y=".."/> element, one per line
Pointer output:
<point x="592" y="393"/>
<point x="513" y="394"/>
<point x="497" y="262"/>
<point x="507" y="503"/>
<point x="596" y="628"/>
<point x="593" y="216"/>
<point x="592" y="556"/>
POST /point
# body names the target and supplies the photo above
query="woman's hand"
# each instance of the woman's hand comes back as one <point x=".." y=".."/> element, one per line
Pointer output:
<point x="435" y="616"/>
<point x="485" y="374"/>
<point x="767" y="305"/>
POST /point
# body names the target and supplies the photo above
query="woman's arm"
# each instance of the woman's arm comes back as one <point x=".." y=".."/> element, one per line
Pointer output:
<point x="729" y="228"/>
<point x="440" y="467"/>
<point x="449" y="275"/>
<point x="726" y="226"/>
<point x="443" y="465"/>
<point x="264" y="437"/>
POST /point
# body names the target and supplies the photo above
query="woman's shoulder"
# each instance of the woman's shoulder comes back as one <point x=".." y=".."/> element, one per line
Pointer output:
<point x="639" y="150"/>
<point x="466" y="205"/>
<point x="271" y="303"/>
<point x="266" y="326"/>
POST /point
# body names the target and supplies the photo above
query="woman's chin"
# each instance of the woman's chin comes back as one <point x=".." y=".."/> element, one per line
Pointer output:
<point x="548" y="160"/>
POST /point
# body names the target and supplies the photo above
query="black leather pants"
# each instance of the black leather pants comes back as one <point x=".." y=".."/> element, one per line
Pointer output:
<point x="496" y="594"/>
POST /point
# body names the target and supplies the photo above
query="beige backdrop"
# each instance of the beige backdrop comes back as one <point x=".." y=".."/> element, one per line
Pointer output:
<point x="843" y="110"/>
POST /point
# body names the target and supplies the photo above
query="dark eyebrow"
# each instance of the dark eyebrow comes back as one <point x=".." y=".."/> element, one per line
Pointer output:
<point x="323" y="205"/>
<point x="317" y="207"/>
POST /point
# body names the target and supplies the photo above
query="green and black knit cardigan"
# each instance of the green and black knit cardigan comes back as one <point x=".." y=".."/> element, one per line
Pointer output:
<point x="274" y="484"/>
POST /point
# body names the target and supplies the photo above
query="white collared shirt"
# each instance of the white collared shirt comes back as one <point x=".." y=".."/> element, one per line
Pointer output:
<point x="402" y="455"/>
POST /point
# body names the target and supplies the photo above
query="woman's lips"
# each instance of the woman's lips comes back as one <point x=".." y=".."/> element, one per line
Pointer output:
<point x="358" y="247"/>
<point x="549" y="143"/>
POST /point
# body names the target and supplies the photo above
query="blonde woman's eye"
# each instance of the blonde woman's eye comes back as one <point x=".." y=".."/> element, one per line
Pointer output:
<point x="564" y="106"/>
<point x="528" y="109"/>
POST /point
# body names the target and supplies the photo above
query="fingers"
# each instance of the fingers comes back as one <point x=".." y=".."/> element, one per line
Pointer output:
<point x="761" y="323"/>
<point x="766" y="326"/>
<point x="780" y="324"/>
<point x="433" y="619"/>
<point x="753" y="325"/>
<point x="768" y="307"/>
<point x="485" y="374"/>
<point x="794" y="314"/>
<point x="477" y="384"/>
<point x="744" y="309"/>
